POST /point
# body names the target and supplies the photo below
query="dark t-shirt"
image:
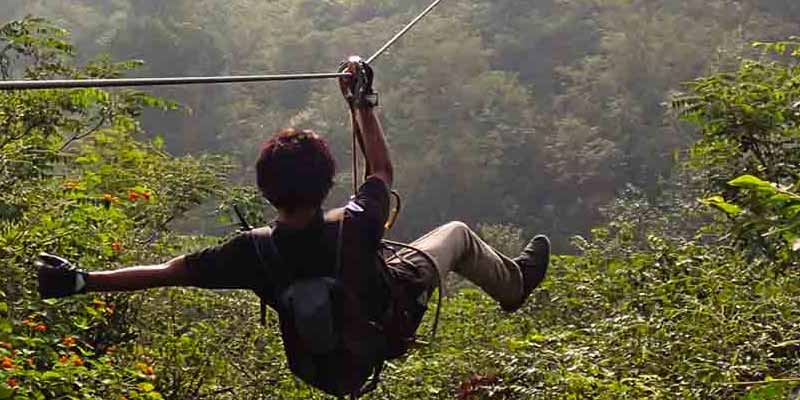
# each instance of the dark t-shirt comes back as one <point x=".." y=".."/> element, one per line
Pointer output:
<point x="235" y="264"/>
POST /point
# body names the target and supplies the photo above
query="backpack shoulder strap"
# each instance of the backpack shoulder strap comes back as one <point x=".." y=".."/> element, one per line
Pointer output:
<point x="339" y="244"/>
<point x="269" y="259"/>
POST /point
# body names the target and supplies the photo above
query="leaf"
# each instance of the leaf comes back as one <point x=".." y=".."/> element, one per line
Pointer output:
<point x="146" y="387"/>
<point x="752" y="183"/>
<point x="719" y="203"/>
<point x="5" y="326"/>
<point x="51" y="375"/>
<point x="779" y="198"/>
<point x="792" y="211"/>
<point x="6" y="392"/>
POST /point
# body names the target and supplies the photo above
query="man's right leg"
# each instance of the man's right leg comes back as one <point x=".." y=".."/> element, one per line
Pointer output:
<point x="455" y="247"/>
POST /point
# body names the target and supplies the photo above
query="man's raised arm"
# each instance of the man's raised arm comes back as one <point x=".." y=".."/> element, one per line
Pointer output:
<point x="368" y="126"/>
<point x="375" y="147"/>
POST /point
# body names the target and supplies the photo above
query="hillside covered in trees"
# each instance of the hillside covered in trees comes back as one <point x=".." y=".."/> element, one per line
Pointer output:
<point x="656" y="141"/>
<point x="531" y="113"/>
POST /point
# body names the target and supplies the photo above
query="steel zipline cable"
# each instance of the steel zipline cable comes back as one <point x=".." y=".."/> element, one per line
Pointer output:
<point x="403" y="31"/>
<point x="132" y="82"/>
<point x="203" y="80"/>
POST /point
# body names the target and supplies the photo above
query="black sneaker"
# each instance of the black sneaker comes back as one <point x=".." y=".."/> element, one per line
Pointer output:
<point x="533" y="263"/>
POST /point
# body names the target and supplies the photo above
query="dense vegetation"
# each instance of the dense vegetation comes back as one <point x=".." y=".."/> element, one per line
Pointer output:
<point x="687" y="289"/>
<point x="560" y="101"/>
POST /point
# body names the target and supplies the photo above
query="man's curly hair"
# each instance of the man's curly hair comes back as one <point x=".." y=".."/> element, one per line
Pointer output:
<point x="295" y="170"/>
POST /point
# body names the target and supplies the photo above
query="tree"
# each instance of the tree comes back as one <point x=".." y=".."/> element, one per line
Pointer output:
<point x="748" y="121"/>
<point x="77" y="182"/>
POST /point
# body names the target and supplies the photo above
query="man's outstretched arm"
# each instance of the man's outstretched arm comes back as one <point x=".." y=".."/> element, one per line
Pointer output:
<point x="231" y="265"/>
<point x="171" y="273"/>
<point x="59" y="278"/>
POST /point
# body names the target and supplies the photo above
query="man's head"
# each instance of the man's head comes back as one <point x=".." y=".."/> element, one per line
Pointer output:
<point x="295" y="170"/>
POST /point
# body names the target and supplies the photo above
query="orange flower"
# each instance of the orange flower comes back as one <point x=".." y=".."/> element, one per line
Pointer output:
<point x="109" y="199"/>
<point x="77" y="362"/>
<point x="11" y="382"/>
<point x="63" y="359"/>
<point x="146" y="196"/>
<point x="133" y="196"/>
<point x="116" y="246"/>
<point x="40" y="328"/>
<point x="146" y="369"/>
<point x="69" y="341"/>
<point x="7" y="363"/>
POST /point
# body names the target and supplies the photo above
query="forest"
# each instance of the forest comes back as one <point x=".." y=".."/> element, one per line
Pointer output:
<point x="655" y="141"/>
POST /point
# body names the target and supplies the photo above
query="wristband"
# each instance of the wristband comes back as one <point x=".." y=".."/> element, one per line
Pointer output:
<point x="80" y="282"/>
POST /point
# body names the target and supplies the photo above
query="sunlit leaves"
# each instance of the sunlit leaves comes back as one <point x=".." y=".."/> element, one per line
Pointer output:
<point x="752" y="183"/>
<point x="720" y="203"/>
<point x="782" y="48"/>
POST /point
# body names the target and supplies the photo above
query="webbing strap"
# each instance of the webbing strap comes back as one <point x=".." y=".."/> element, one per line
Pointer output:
<point x="373" y="383"/>
<point x="262" y="301"/>
<point x="439" y="281"/>
<point x="339" y="243"/>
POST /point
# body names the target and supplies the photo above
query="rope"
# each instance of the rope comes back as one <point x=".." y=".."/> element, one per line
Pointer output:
<point x="203" y="80"/>
<point x="355" y="158"/>
<point x="403" y="32"/>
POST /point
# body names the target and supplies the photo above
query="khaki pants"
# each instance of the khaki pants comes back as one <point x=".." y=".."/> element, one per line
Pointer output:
<point x="456" y="248"/>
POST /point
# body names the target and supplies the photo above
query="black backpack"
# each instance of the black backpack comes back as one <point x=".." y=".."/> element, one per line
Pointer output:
<point x="330" y="341"/>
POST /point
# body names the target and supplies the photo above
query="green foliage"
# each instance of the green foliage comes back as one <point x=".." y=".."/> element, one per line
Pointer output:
<point x="560" y="100"/>
<point x="680" y="319"/>
<point x="77" y="182"/>
<point x="659" y="304"/>
<point x="748" y="120"/>
<point x="48" y="356"/>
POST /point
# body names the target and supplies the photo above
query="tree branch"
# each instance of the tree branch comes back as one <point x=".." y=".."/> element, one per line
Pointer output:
<point x="79" y="136"/>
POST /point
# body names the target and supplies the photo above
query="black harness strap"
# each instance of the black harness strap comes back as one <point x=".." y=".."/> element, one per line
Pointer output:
<point x="274" y="261"/>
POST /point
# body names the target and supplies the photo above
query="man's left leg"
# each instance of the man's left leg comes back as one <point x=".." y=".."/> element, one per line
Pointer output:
<point x="455" y="247"/>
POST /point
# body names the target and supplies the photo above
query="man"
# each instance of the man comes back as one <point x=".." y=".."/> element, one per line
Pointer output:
<point x="295" y="173"/>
